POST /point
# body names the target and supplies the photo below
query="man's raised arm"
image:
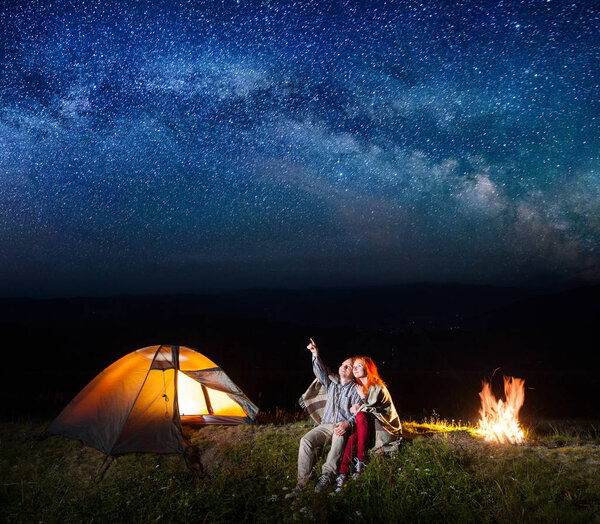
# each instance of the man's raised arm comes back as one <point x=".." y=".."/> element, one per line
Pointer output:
<point x="318" y="368"/>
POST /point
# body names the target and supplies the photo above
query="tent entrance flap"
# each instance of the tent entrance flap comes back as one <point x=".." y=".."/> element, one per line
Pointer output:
<point x="223" y="404"/>
<point x="197" y="399"/>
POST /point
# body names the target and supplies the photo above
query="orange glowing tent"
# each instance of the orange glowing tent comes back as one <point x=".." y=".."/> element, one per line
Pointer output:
<point x="140" y="402"/>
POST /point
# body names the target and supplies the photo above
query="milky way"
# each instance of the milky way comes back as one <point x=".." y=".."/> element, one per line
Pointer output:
<point x="151" y="147"/>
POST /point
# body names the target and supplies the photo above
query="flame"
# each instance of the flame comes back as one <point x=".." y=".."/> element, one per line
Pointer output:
<point x="500" y="419"/>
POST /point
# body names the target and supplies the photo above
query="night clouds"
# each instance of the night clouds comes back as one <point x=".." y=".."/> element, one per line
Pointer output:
<point x="151" y="147"/>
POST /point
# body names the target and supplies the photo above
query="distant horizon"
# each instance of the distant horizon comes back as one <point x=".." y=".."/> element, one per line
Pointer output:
<point x="534" y="286"/>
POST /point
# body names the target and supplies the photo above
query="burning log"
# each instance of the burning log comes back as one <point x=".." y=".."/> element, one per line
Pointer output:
<point x="500" y="419"/>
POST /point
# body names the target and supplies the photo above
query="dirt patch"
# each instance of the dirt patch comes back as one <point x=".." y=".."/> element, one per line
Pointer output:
<point x="203" y="460"/>
<point x="209" y="444"/>
<point x="463" y="440"/>
<point x="223" y="436"/>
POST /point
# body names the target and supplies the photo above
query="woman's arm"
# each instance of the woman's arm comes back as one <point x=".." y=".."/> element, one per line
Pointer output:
<point x="378" y="400"/>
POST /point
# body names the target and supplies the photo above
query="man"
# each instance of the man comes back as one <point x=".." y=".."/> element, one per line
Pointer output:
<point x="335" y="423"/>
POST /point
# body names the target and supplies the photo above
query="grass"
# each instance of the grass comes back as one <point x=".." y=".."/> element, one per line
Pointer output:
<point x="434" y="425"/>
<point x="243" y="473"/>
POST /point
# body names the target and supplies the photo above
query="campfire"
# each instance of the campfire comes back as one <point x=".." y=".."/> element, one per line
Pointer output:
<point x="500" y="418"/>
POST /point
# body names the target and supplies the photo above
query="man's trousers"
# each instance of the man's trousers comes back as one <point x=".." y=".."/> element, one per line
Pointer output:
<point x="317" y="438"/>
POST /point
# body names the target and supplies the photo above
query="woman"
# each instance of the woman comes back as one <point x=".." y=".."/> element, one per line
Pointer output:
<point x="376" y="418"/>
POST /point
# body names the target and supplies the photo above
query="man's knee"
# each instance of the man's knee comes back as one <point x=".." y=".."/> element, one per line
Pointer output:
<point x="306" y="443"/>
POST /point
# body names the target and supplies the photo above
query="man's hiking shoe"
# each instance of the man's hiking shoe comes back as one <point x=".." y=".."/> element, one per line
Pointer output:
<point x="296" y="491"/>
<point x="339" y="483"/>
<point x="359" y="468"/>
<point x="322" y="483"/>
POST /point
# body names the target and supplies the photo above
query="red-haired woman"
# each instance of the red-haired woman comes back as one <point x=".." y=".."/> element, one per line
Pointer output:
<point x="375" y="417"/>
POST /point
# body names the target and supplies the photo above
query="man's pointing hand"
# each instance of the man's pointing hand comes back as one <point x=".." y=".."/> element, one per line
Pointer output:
<point x="312" y="347"/>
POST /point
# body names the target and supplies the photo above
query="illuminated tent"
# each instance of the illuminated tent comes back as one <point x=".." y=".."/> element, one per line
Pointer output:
<point x="140" y="402"/>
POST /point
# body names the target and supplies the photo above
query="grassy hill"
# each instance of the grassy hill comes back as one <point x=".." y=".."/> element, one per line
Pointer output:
<point x="242" y="473"/>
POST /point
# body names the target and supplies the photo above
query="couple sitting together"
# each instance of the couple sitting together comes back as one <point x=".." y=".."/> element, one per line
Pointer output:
<point x="353" y="409"/>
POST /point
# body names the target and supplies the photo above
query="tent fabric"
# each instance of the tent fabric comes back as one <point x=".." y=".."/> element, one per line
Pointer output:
<point x="217" y="380"/>
<point x="138" y="403"/>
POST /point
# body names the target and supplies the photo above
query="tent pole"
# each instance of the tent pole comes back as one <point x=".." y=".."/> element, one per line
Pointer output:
<point x="108" y="460"/>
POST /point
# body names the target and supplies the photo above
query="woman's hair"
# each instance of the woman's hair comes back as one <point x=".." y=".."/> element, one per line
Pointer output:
<point x="373" y="377"/>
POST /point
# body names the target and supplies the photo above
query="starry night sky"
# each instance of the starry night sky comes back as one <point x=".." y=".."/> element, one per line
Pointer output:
<point x="151" y="147"/>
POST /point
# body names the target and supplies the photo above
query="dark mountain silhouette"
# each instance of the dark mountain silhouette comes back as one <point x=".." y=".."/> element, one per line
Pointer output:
<point x="433" y="343"/>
